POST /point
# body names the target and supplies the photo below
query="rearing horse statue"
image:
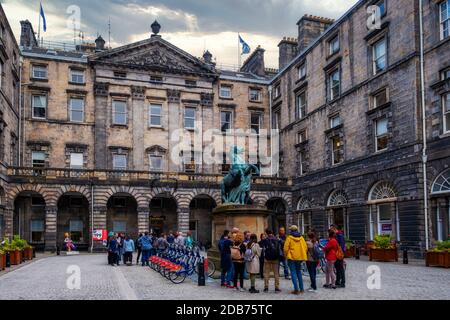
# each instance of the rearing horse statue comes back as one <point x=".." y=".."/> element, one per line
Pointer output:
<point x="236" y="184"/>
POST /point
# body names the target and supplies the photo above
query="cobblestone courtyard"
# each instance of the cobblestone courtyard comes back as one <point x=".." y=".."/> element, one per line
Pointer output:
<point x="46" y="279"/>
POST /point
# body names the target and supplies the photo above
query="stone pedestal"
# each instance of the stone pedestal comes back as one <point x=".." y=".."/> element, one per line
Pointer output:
<point x="245" y="217"/>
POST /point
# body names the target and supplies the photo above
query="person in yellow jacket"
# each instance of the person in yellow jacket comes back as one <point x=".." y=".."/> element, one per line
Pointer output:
<point x="295" y="251"/>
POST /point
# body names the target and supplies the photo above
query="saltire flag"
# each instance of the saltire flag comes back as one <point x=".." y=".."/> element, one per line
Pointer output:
<point x="245" y="46"/>
<point x="44" y="21"/>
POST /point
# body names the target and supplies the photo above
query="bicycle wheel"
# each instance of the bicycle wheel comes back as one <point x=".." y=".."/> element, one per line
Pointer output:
<point x="211" y="268"/>
<point x="177" y="277"/>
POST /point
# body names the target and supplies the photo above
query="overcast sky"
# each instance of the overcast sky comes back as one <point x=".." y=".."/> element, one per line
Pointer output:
<point x="192" y="25"/>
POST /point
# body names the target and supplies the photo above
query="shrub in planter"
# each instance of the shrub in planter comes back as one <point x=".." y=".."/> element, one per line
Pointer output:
<point x="439" y="256"/>
<point x="21" y="245"/>
<point x="14" y="252"/>
<point x="383" y="249"/>
<point x="2" y="260"/>
<point x="350" y="248"/>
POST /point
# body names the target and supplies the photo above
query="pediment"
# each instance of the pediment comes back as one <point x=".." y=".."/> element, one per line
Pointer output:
<point x="154" y="54"/>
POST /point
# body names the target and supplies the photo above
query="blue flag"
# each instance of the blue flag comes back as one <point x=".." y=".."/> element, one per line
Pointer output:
<point x="245" y="46"/>
<point x="43" y="19"/>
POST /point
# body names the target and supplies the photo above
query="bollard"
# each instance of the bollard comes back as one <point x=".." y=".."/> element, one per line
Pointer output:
<point x="201" y="273"/>
<point x="8" y="260"/>
<point x="405" y="256"/>
<point x="34" y="253"/>
<point x="58" y="251"/>
<point x="357" y="252"/>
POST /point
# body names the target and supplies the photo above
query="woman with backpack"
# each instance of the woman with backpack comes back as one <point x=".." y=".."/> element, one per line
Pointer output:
<point x="313" y="259"/>
<point x="330" y="255"/>
<point x="252" y="254"/>
<point x="237" y="256"/>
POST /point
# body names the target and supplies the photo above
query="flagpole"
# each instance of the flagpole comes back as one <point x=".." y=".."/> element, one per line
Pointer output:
<point x="239" y="52"/>
<point x="39" y="30"/>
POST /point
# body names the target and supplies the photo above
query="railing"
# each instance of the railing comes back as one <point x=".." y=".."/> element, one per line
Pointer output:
<point x="118" y="175"/>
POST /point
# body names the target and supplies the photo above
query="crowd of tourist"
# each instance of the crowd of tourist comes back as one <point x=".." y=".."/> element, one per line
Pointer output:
<point x="245" y="257"/>
<point x="121" y="247"/>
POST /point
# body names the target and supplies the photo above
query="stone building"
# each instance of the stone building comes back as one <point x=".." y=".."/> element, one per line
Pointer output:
<point x="101" y="143"/>
<point x="349" y="109"/>
<point x="9" y="110"/>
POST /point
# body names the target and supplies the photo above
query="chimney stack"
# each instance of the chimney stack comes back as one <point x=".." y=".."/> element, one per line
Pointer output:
<point x="255" y="63"/>
<point x="310" y="28"/>
<point x="99" y="44"/>
<point x="288" y="50"/>
<point x="27" y="35"/>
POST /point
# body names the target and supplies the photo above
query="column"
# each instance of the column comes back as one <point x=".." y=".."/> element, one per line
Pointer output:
<point x="139" y="126"/>
<point x="174" y="122"/>
<point x="99" y="219"/>
<point x="183" y="220"/>
<point x="8" y="218"/>
<point x="289" y="220"/>
<point x="101" y="121"/>
<point x="51" y="228"/>
<point x="143" y="219"/>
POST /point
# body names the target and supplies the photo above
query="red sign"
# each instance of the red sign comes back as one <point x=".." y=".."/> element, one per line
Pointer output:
<point x="100" y="235"/>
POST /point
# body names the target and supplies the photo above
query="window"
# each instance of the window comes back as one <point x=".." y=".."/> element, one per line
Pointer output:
<point x="76" y="109"/>
<point x="382" y="6"/>
<point x="37" y="228"/>
<point x="276" y="120"/>
<point x="334" y="84"/>
<point x="39" y="106"/>
<point x="446" y="105"/>
<point x="225" y="165"/>
<point x="40" y="72"/>
<point x="334" y="45"/>
<point x="255" y="123"/>
<point x="77" y="76"/>
<point x="380" y="99"/>
<point x="119" y="162"/>
<point x="301" y="105"/>
<point x="156" y="79"/>
<point x="302" y="137"/>
<point x="225" y="92"/>
<point x="379" y="54"/>
<point x="120" y="74"/>
<point x="301" y="161"/>
<point x="302" y="71"/>
<point x="277" y="91"/>
<point x="76" y="161"/>
<point x="38" y="159"/>
<point x="445" y="74"/>
<point x="191" y="83"/>
<point x="1" y="74"/>
<point x="255" y="95"/>
<point x="445" y="18"/>
<point x="76" y="230"/>
<point x="226" y="120"/>
<point x="384" y="219"/>
<point x="189" y="118"/>
<point x="155" y="115"/>
<point x="119" y="226"/>
<point x="119" y="112"/>
<point x="381" y="134"/>
<point x="2" y="31"/>
<point x="337" y="150"/>
<point x="335" y="121"/>
<point x="305" y="221"/>
<point x="156" y="163"/>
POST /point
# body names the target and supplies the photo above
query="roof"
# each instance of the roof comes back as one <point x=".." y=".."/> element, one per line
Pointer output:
<point x="44" y="53"/>
<point x="244" y="77"/>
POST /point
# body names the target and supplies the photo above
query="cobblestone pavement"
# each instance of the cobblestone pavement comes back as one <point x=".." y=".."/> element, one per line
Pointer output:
<point x="46" y="279"/>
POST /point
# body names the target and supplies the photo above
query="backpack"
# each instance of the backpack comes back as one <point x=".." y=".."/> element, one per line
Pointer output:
<point x="236" y="253"/>
<point x="317" y="254"/>
<point x="272" y="249"/>
<point x="339" y="253"/>
<point x="248" y="256"/>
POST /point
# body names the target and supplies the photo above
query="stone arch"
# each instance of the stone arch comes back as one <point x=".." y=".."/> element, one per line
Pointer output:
<point x="441" y="183"/>
<point x="83" y="190"/>
<point x="283" y="196"/>
<point x="213" y="194"/>
<point x="15" y="191"/>
<point x="141" y="199"/>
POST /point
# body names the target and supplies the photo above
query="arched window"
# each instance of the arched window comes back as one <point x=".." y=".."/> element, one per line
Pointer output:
<point x="156" y="158"/>
<point x="442" y="183"/>
<point x="303" y="204"/>
<point x="304" y="217"/>
<point x="337" y="198"/>
<point x="382" y="191"/>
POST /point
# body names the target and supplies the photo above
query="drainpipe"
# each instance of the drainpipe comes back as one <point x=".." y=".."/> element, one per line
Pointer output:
<point x="424" y="123"/>
<point x="92" y="217"/>
<point x="270" y="128"/>
<point x="19" y="149"/>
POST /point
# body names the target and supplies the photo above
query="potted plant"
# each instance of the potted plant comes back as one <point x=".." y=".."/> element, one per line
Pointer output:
<point x="439" y="256"/>
<point x="350" y="248"/>
<point x="2" y="260"/>
<point x="14" y="253"/>
<point x="383" y="249"/>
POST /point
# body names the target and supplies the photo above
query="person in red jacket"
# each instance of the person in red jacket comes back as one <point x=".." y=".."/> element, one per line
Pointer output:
<point x="330" y="255"/>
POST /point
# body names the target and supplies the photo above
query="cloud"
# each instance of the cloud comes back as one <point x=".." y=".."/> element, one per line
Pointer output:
<point x="188" y="23"/>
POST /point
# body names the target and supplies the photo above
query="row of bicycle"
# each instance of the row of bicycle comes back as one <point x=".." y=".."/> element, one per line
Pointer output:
<point x="178" y="262"/>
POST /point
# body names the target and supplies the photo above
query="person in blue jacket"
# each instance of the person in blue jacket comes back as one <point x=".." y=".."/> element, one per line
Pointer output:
<point x="225" y="259"/>
<point x="112" y="251"/>
<point x="128" y="248"/>
<point x="146" y="247"/>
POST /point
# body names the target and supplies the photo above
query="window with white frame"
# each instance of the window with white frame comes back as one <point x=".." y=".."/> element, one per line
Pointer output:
<point x="225" y="92"/>
<point x="381" y="134"/>
<point x="335" y="121"/>
<point x="119" y="162"/>
<point x="301" y="105"/>
<point x="445" y="74"/>
<point x="226" y="121"/>
<point x="255" y="122"/>
<point x="277" y="91"/>
<point x="301" y="163"/>
<point x="379" y="99"/>
<point x="334" y="84"/>
<point x="77" y="76"/>
<point x="76" y="160"/>
<point x="305" y="221"/>
<point x="379" y="56"/>
<point x="302" y="70"/>
<point x="76" y="109"/>
<point x="446" y="107"/>
<point x="38" y="159"/>
<point x="40" y="72"/>
<point x="337" y="146"/>
<point x="119" y="112"/>
<point x="276" y="120"/>
<point x="39" y="106"/>
<point x="334" y="45"/>
<point x="444" y="9"/>
<point x="155" y="115"/>
<point x="156" y="162"/>
<point x="255" y="95"/>
<point x="189" y="118"/>
<point x="301" y="136"/>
